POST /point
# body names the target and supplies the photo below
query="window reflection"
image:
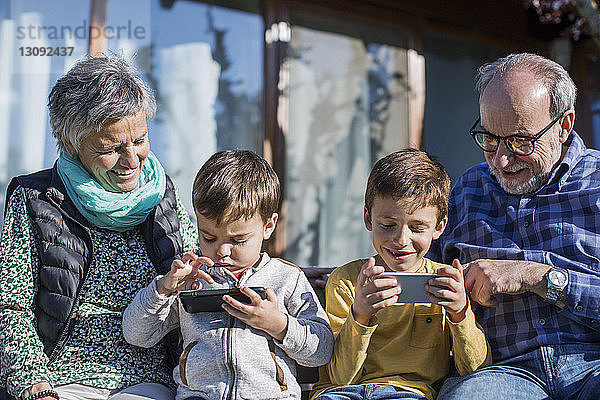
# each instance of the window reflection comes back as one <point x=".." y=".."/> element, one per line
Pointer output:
<point x="594" y="74"/>
<point x="205" y="64"/>
<point x="348" y="107"/>
<point x="27" y="27"/>
<point x="451" y="104"/>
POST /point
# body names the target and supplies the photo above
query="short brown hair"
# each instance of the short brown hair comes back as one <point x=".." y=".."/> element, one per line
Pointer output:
<point x="410" y="175"/>
<point x="233" y="184"/>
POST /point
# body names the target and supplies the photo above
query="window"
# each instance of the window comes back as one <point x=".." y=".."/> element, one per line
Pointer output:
<point x="29" y="29"/>
<point x="594" y="93"/>
<point x="348" y="99"/>
<point x="205" y="64"/>
<point x="452" y="104"/>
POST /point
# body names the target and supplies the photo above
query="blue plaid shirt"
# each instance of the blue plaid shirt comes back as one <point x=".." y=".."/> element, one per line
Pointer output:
<point x="559" y="225"/>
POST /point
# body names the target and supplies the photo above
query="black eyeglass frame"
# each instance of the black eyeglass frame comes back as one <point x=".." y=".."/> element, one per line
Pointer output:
<point x="532" y="139"/>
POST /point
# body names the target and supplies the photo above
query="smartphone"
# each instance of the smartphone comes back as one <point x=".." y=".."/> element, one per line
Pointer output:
<point x="210" y="300"/>
<point x="412" y="284"/>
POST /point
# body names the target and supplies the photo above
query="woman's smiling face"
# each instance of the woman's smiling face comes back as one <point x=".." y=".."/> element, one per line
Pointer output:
<point x="114" y="156"/>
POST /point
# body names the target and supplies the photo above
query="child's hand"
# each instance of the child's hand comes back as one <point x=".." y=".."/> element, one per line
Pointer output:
<point x="260" y="314"/>
<point x="373" y="294"/>
<point x="184" y="274"/>
<point x="448" y="290"/>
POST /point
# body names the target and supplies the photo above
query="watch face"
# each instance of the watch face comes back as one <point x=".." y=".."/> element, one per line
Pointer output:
<point x="557" y="278"/>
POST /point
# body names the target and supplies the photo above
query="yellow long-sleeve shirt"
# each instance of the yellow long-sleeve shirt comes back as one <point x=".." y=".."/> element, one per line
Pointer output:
<point x="408" y="346"/>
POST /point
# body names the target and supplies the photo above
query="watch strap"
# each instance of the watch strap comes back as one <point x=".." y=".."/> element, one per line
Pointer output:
<point x="555" y="292"/>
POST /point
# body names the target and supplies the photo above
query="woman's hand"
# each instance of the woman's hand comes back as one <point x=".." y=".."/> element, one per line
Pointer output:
<point x="35" y="388"/>
<point x="184" y="275"/>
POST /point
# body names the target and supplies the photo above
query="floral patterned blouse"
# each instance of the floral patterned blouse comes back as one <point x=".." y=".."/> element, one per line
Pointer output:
<point x="96" y="354"/>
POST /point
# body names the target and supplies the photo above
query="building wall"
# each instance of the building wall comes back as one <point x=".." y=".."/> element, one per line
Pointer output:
<point x="321" y="88"/>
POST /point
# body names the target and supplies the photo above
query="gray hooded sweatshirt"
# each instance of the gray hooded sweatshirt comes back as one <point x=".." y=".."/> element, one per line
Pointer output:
<point x="224" y="358"/>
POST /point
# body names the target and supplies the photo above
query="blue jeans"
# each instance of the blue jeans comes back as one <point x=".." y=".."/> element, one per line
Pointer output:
<point x="370" y="391"/>
<point x="568" y="371"/>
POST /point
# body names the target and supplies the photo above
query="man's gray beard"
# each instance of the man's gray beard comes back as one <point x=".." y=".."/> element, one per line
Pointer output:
<point x="532" y="185"/>
<point x="536" y="181"/>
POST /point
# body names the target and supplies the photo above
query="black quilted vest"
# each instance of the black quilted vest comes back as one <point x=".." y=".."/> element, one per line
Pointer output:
<point x="66" y="252"/>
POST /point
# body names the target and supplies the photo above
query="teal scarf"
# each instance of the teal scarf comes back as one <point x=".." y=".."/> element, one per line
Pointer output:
<point x="115" y="211"/>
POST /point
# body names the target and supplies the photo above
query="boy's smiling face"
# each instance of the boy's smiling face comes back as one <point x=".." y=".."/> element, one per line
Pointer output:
<point x="402" y="238"/>
<point x="235" y="245"/>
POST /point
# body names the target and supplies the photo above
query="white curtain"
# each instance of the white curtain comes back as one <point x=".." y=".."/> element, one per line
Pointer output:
<point x="26" y="142"/>
<point x="33" y="97"/>
<point x="24" y="85"/>
<point x="334" y="139"/>
<point x="184" y="134"/>
<point x="6" y="96"/>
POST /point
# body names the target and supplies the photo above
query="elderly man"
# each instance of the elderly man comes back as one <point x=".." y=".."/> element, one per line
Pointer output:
<point x="527" y="223"/>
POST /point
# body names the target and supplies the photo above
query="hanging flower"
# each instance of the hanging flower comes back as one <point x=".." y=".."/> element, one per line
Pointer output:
<point x="561" y="13"/>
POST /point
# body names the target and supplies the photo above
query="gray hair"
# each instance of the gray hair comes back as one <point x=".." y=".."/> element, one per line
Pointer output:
<point x="553" y="77"/>
<point x="93" y="91"/>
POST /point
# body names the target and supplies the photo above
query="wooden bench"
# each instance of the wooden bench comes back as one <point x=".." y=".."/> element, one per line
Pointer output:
<point x="317" y="276"/>
<point x="307" y="376"/>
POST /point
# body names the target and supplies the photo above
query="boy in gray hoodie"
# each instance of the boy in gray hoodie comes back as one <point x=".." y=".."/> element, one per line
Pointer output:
<point x="246" y="351"/>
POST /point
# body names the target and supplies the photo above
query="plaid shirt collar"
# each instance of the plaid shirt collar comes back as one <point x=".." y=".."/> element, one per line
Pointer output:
<point x="575" y="151"/>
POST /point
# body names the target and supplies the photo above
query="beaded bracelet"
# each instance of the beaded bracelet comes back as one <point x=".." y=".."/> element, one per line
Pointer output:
<point x="42" y="394"/>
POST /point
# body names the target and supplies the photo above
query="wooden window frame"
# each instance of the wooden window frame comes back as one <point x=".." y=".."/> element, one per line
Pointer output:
<point x="411" y="19"/>
<point x="275" y="107"/>
<point x="97" y="43"/>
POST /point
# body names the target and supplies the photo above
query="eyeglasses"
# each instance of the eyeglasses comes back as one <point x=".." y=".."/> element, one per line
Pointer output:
<point x="517" y="144"/>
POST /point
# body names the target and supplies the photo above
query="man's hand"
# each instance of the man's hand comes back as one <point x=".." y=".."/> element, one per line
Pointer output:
<point x="372" y="293"/>
<point x="260" y="314"/>
<point x="486" y="278"/>
<point x="35" y="388"/>
<point x="184" y="275"/>
<point x="448" y="290"/>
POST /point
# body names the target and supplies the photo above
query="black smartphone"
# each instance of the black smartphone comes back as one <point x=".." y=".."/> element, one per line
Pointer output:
<point x="210" y="300"/>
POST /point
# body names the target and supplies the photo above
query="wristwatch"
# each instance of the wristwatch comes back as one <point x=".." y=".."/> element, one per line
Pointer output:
<point x="556" y="279"/>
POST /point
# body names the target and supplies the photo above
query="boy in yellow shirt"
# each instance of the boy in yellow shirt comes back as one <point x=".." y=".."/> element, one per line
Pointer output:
<point x="389" y="350"/>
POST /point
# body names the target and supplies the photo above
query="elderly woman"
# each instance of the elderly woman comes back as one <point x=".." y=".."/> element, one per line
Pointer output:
<point x="81" y="239"/>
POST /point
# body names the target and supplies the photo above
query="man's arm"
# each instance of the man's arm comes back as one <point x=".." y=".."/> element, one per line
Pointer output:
<point x="486" y="278"/>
